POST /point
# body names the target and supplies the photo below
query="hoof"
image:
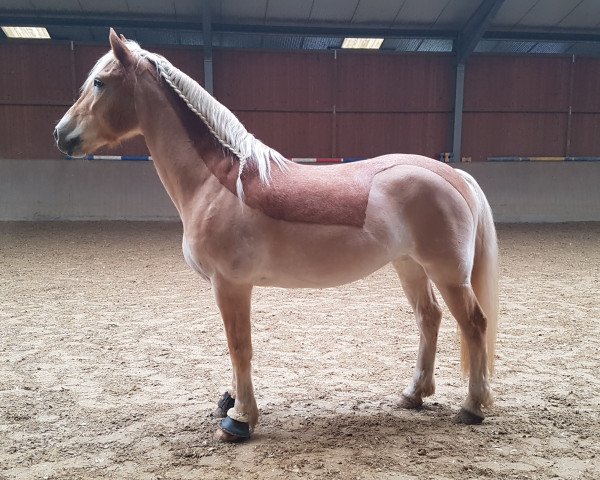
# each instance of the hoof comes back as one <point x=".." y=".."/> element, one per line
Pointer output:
<point x="234" y="431"/>
<point x="410" y="403"/>
<point x="223" y="405"/>
<point x="468" y="418"/>
<point x="222" y="436"/>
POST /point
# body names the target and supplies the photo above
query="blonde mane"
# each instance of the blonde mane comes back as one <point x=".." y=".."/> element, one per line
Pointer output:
<point x="221" y="122"/>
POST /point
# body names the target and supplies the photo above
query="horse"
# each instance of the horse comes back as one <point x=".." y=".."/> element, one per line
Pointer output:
<point x="253" y="218"/>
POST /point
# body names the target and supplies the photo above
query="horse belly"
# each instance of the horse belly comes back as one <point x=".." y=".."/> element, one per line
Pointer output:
<point x="322" y="259"/>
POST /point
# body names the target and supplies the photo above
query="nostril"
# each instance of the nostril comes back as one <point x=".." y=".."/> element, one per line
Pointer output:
<point x="55" y="134"/>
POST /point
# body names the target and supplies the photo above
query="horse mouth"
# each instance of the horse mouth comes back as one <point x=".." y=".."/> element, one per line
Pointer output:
<point x="71" y="147"/>
<point x="75" y="154"/>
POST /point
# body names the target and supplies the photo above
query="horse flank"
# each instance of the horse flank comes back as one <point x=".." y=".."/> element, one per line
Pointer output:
<point x="221" y="122"/>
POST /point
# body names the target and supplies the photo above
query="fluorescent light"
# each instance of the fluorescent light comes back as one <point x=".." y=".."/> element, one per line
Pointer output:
<point x="362" y="42"/>
<point x="26" y="32"/>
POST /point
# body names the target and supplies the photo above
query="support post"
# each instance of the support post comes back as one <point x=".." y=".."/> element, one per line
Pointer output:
<point x="570" y="111"/>
<point x="458" y="112"/>
<point x="207" y="49"/>
<point x="476" y="26"/>
<point x="464" y="45"/>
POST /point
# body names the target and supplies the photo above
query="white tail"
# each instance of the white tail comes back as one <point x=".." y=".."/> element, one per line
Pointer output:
<point x="484" y="277"/>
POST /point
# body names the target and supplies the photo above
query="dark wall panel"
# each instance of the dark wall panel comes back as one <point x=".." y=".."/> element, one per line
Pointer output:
<point x="292" y="134"/>
<point x="285" y="81"/>
<point x="86" y="57"/>
<point x="372" y="134"/>
<point x="394" y="83"/>
<point x="35" y="74"/>
<point x="586" y="85"/>
<point x="26" y="131"/>
<point x="585" y="135"/>
<point x="517" y="84"/>
<point x="385" y="103"/>
<point x="188" y="60"/>
<point x="513" y="134"/>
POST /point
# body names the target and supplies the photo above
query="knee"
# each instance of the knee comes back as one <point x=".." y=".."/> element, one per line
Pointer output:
<point x="430" y="316"/>
<point x="241" y="355"/>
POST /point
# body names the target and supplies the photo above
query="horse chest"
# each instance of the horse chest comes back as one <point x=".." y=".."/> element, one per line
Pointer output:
<point x="193" y="260"/>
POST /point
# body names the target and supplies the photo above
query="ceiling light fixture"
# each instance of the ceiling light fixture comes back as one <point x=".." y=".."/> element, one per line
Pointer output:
<point x="362" y="43"/>
<point x="26" y="32"/>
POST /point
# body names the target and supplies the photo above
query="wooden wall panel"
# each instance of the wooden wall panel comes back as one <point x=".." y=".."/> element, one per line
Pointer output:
<point x="586" y="85"/>
<point x="292" y="134"/>
<point x="394" y="83"/>
<point x="35" y="74"/>
<point x="517" y="84"/>
<point x="513" y="134"/>
<point x="372" y="134"/>
<point x="188" y="60"/>
<point x="585" y="135"/>
<point x="284" y="81"/>
<point x="385" y="103"/>
<point x="85" y="58"/>
<point x="26" y="131"/>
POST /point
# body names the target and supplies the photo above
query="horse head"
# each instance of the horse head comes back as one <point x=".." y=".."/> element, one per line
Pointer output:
<point x="105" y="112"/>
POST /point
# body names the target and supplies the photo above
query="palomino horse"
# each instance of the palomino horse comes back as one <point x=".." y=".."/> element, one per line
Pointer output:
<point x="250" y="217"/>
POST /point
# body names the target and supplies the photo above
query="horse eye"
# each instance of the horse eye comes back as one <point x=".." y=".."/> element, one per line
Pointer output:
<point x="98" y="83"/>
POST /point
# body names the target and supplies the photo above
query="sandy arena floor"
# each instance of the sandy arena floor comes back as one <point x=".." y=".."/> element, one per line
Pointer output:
<point x="112" y="356"/>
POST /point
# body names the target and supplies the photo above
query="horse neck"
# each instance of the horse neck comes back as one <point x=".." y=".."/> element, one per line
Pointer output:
<point x="184" y="151"/>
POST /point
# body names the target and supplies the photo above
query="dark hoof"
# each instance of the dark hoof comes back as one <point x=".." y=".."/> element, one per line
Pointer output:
<point x="467" y="418"/>
<point x="410" y="403"/>
<point x="223" y="405"/>
<point x="237" y="430"/>
<point x="223" y="436"/>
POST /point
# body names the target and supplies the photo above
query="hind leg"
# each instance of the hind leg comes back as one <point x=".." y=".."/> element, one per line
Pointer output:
<point x="419" y="291"/>
<point x="465" y="308"/>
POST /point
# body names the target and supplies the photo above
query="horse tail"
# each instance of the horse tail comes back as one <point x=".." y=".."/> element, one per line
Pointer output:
<point x="484" y="276"/>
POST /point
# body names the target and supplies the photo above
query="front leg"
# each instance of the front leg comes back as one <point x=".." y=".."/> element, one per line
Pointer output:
<point x="233" y="301"/>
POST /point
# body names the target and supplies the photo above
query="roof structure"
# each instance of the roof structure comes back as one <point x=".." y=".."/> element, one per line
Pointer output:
<point x="462" y="26"/>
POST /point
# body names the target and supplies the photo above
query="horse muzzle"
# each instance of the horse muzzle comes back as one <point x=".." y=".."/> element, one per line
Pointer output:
<point x="69" y="143"/>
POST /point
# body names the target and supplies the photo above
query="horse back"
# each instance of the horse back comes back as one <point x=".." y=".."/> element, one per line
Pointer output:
<point x="330" y="194"/>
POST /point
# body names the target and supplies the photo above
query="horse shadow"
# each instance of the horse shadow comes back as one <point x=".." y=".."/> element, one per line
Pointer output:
<point x="376" y="428"/>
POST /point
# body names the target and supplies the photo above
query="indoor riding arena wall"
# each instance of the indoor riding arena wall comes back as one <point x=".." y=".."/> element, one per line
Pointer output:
<point x="315" y="104"/>
<point x="122" y="190"/>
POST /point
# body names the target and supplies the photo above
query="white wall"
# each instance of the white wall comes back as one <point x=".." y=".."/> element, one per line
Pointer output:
<point x="540" y="191"/>
<point x="82" y="190"/>
<point x="113" y="190"/>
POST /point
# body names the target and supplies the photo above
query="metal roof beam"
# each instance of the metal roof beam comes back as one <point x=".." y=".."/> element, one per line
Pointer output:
<point x="335" y="30"/>
<point x="195" y="24"/>
<point x="50" y="19"/>
<point x="542" y="36"/>
<point x="70" y="20"/>
<point x="476" y="26"/>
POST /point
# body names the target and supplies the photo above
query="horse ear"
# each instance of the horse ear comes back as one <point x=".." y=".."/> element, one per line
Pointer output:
<point x="120" y="50"/>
